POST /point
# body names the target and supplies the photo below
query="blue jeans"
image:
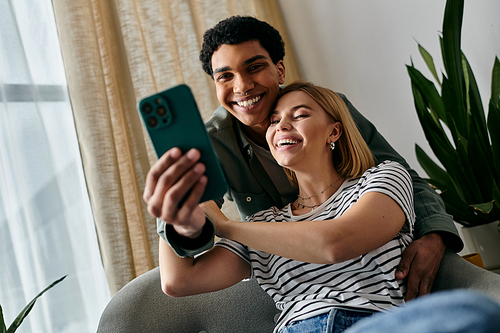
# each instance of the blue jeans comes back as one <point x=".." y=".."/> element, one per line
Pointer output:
<point x="457" y="311"/>
<point x="448" y="311"/>
<point x="336" y="321"/>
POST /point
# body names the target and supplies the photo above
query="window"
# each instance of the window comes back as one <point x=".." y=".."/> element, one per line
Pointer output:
<point x="46" y="225"/>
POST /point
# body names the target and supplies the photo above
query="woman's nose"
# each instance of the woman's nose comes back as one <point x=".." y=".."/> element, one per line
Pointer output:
<point x="283" y="125"/>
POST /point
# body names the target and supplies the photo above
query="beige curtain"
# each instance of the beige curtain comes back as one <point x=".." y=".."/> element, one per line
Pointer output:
<point x="115" y="52"/>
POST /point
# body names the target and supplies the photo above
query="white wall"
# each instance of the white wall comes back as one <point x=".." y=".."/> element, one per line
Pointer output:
<point x="361" y="47"/>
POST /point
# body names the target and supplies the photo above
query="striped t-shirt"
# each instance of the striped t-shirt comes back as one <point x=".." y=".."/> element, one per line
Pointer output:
<point x="304" y="290"/>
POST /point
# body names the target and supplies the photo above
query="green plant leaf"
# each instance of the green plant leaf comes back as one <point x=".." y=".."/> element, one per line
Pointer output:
<point x="484" y="212"/>
<point x="429" y="61"/>
<point x="476" y="110"/>
<point x="451" y="47"/>
<point x="442" y="148"/>
<point x="484" y="208"/>
<point x="494" y="126"/>
<point x="467" y="84"/>
<point x="24" y="313"/>
<point x="434" y="133"/>
<point x="456" y="207"/>
<point x="467" y="215"/>
<point x="438" y="142"/>
<point x="434" y="171"/>
<point x="470" y="180"/>
<point x="480" y="162"/>
<point x="496" y="199"/>
<point x="493" y="121"/>
<point x="495" y="83"/>
<point x="429" y="94"/>
<point x="3" y="329"/>
<point x="470" y="188"/>
<point x="453" y="87"/>
<point x="447" y="156"/>
<point x="454" y="111"/>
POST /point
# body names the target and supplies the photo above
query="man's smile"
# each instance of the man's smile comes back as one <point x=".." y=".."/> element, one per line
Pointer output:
<point x="249" y="102"/>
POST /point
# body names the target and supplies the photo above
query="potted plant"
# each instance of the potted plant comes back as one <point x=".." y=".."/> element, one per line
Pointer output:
<point x="468" y="180"/>
<point x="19" y="319"/>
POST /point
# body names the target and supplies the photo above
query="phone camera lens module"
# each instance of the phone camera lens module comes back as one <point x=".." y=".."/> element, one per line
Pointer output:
<point x="152" y="122"/>
<point x="147" y="108"/>
<point x="161" y="111"/>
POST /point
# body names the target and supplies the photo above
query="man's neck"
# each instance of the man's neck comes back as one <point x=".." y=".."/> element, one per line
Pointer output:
<point x="257" y="134"/>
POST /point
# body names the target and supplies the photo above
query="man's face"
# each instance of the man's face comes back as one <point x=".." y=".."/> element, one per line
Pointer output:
<point x="247" y="82"/>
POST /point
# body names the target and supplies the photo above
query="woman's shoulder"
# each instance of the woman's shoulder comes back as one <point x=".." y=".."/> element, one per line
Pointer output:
<point x="386" y="168"/>
<point x="384" y="173"/>
<point x="389" y="165"/>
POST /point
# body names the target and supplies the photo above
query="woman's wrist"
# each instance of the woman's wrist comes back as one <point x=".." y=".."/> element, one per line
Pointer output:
<point x="223" y="228"/>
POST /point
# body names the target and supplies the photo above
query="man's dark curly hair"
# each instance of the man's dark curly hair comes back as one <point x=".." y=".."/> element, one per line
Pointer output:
<point x="239" y="29"/>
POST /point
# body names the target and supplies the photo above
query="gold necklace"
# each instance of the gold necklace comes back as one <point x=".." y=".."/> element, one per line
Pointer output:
<point x="300" y="205"/>
<point x="309" y="197"/>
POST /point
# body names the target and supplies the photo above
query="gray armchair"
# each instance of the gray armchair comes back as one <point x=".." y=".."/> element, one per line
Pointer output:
<point x="141" y="306"/>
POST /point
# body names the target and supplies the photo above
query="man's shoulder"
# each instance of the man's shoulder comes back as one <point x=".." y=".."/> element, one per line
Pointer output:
<point x="223" y="130"/>
<point x="343" y="96"/>
<point x="220" y="120"/>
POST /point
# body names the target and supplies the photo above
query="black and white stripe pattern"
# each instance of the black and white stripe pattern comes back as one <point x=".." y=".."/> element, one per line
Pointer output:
<point x="303" y="290"/>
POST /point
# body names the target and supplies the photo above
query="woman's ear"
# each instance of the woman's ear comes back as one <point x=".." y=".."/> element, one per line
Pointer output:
<point x="335" y="132"/>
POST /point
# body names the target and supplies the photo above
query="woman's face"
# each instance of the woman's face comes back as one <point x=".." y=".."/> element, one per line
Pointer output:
<point x="300" y="132"/>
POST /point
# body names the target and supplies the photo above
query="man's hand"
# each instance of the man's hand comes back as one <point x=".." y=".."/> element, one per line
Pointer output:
<point x="167" y="183"/>
<point x="420" y="263"/>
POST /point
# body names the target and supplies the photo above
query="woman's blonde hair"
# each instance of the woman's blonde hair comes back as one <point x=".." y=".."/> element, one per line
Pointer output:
<point x="351" y="156"/>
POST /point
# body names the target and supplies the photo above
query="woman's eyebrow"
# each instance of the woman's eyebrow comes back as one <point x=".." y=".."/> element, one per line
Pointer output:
<point x="293" y="108"/>
<point x="301" y="106"/>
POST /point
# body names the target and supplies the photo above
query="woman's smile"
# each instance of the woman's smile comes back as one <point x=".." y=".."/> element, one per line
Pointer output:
<point x="287" y="142"/>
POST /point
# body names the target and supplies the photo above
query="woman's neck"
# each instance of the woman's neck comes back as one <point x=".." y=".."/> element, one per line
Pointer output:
<point x="316" y="188"/>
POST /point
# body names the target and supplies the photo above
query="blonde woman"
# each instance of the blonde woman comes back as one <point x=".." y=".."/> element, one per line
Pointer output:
<point x="328" y="258"/>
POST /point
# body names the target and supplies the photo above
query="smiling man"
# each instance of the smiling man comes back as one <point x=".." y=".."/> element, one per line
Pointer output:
<point x="244" y="56"/>
<point x="247" y="83"/>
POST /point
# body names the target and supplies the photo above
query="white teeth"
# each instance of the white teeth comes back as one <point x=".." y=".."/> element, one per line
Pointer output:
<point x="249" y="102"/>
<point x="286" y="142"/>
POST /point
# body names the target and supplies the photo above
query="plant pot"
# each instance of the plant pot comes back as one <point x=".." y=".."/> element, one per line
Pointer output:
<point x="485" y="240"/>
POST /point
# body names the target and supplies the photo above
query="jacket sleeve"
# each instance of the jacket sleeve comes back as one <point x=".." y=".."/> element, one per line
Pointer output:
<point x="429" y="207"/>
<point x="186" y="247"/>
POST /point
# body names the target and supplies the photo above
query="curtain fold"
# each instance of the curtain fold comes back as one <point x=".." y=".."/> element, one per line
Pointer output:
<point x="116" y="52"/>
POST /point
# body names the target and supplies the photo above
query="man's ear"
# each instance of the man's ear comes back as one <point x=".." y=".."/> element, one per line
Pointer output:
<point x="280" y="66"/>
<point x="336" y="131"/>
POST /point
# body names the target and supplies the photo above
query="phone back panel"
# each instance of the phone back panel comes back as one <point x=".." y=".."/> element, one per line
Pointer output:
<point x="173" y="120"/>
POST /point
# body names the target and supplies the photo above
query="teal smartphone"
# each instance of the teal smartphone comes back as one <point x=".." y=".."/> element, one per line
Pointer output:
<point x="172" y="120"/>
